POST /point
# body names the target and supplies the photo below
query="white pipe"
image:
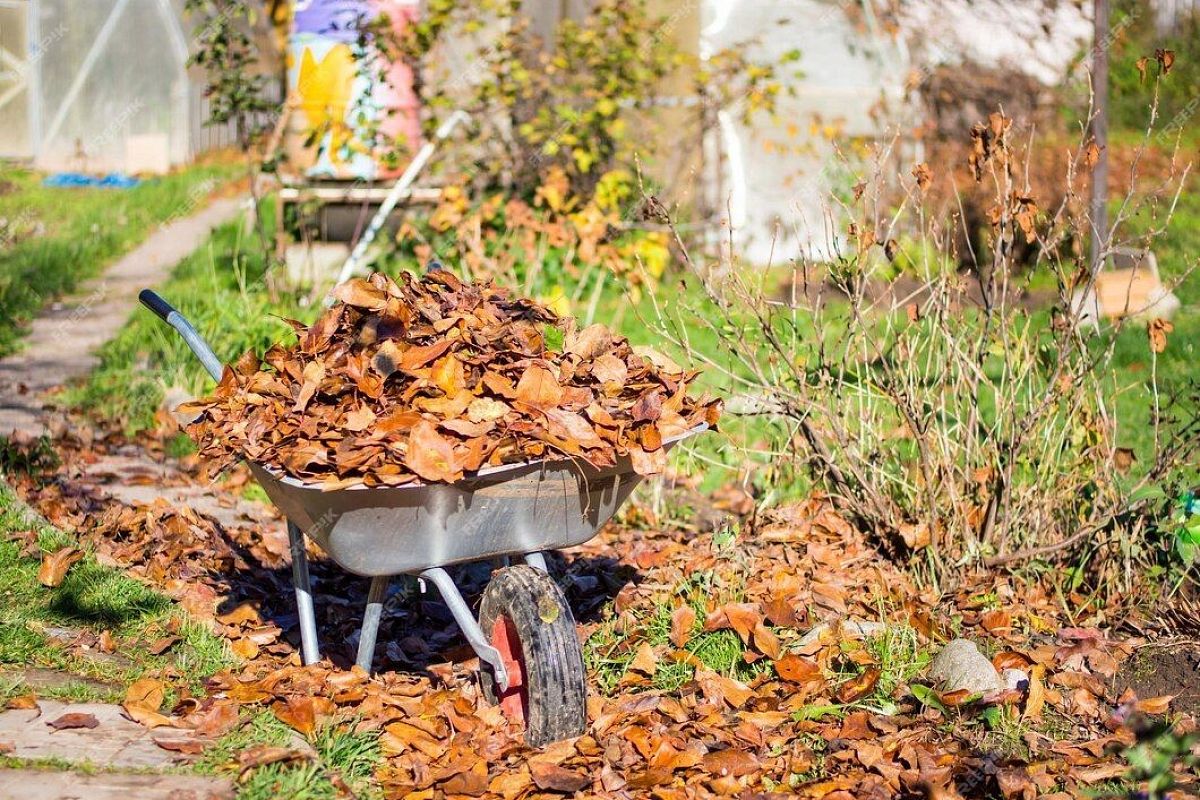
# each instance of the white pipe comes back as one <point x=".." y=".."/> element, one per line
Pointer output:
<point x="737" y="170"/>
<point x="401" y="190"/>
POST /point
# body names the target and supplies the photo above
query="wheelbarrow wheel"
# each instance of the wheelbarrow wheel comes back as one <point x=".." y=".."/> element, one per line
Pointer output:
<point x="527" y="619"/>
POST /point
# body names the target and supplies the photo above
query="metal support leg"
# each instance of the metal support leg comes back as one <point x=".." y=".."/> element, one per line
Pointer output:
<point x="370" y="625"/>
<point x="309" y="650"/>
<point x="537" y="561"/>
<point x="466" y="620"/>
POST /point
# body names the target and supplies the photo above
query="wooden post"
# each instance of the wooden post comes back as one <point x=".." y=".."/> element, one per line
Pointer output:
<point x="1101" y="39"/>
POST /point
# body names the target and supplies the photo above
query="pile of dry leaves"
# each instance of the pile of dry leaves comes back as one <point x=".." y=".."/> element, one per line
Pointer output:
<point x="431" y="379"/>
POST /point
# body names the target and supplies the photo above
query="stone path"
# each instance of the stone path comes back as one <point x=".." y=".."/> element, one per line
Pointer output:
<point x="61" y="347"/>
<point x="114" y="743"/>
<point x="129" y="476"/>
<point x="61" y="343"/>
<point x="31" y="784"/>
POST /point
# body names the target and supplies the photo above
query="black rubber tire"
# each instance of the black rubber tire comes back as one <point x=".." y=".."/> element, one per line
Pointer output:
<point x="552" y="660"/>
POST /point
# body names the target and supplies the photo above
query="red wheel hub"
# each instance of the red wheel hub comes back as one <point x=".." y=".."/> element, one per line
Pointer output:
<point x="514" y="701"/>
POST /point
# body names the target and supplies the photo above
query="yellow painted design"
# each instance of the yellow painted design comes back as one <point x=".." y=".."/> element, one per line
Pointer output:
<point x="325" y="91"/>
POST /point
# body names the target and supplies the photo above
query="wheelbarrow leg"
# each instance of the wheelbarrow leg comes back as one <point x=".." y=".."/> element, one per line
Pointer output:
<point x="370" y="625"/>
<point x="467" y="622"/>
<point x="538" y="561"/>
<point x="309" y="650"/>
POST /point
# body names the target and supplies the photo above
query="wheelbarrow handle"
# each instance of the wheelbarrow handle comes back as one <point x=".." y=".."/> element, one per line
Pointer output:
<point x="168" y="314"/>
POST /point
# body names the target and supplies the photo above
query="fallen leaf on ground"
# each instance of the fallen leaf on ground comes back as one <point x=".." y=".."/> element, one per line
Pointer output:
<point x="22" y="701"/>
<point x="859" y="687"/>
<point x="797" y="669"/>
<point x="147" y="693"/>
<point x="682" y="621"/>
<point x="74" y="719"/>
<point x="217" y="721"/>
<point x="55" y="565"/>
<point x="264" y="754"/>
<point x="1155" y="705"/>
<point x="187" y="746"/>
<point x="553" y="778"/>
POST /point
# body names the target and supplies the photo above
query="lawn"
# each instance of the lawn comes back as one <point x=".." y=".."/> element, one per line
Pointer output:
<point x="50" y="628"/>
<point x="53" y="239"/>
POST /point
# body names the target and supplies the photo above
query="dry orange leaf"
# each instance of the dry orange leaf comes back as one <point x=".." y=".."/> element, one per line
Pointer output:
<point x="1155" y="705"/>
<point x="683" y="619"/>
<point x="55" y="565"/>
<point x="860" y="686"/>
<point x="147" y="693"/>
<point x="539" y="388"/>
<point x="430" y="455"/>
<point x="720" y="689"/>
<point x="1037" y="693"/>
<point x="1158" y="329"/>
<point x="730" y="762"/>
<point x="645" y="661"/>
<point x="797" y="669"/>
<point x="74" y="719"/>
<point x="553" y="778"/>
<point x="298" y="713"/>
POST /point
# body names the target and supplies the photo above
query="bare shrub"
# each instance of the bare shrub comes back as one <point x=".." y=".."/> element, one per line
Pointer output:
<point x="953" y="417"/>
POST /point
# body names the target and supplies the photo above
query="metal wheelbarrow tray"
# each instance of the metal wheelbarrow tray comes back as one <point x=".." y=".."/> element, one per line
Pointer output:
<point x="530" y="657"/>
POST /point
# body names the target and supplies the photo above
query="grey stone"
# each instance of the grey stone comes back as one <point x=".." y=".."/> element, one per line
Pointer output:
<point x="960" y="665"/>
<point x="30" y="784"/>
<point x="115" y="742"/>
<point x="1016" y="679"/>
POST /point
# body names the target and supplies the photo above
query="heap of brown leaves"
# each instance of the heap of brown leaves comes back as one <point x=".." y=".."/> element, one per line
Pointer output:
<point x="432" y="379"/>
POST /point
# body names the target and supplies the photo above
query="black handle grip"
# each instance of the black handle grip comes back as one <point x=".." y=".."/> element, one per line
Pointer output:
<point x="155" y="303"/>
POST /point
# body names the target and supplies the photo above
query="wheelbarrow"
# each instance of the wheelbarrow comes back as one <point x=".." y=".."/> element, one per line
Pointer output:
<point x="531" y="661"/>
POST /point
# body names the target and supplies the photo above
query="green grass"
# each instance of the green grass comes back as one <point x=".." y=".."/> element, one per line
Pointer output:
<point x="340" y="752"/>
<point x="95" y="598"/>
<point x="900" y="656"/>
<point x="611" y="648"/>
<point x="53" y="239"/>
<point x="1133" y="366"/>
<point x="220" y="289"/>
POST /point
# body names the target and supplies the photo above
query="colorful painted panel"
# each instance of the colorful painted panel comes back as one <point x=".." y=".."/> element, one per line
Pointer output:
<point x="337" y="97"/>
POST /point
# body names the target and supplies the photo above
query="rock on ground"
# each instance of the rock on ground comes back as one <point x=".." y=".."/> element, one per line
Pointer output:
<point x="960" y="665"/>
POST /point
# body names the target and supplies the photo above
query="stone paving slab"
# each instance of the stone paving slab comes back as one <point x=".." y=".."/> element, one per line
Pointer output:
<point x="115" y="743"/>
<point x="30" y="784"/>
<point x="41" y="679"/>
<point x="132" y="478"/>
<point x="62" y="342"/>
